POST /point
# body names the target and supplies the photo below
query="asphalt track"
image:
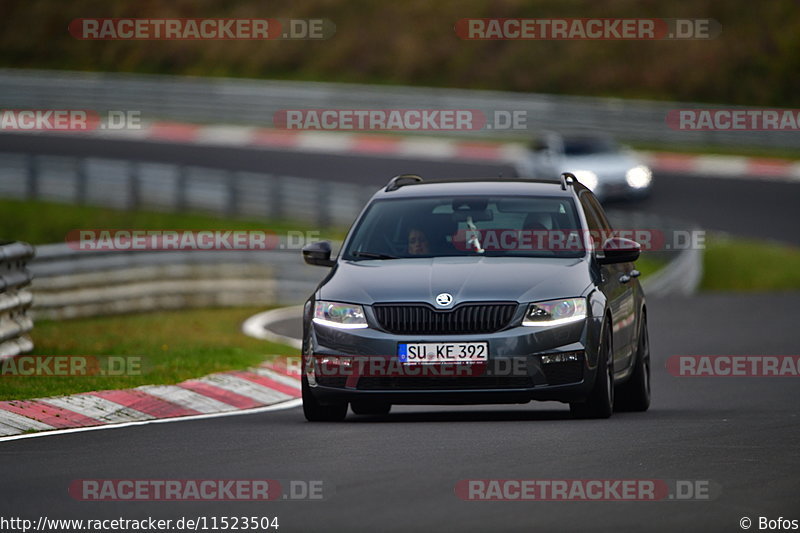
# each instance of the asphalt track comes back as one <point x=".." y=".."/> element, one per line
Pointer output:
<point x="398" y="473"/>
<point x="750" y="208"/>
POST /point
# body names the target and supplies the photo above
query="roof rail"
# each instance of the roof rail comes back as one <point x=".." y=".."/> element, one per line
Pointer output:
<point x="403" y="179"/>
<point x="567" y="178"/>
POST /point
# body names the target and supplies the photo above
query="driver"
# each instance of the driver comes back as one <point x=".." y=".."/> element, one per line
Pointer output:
<point x="418" y="243"/>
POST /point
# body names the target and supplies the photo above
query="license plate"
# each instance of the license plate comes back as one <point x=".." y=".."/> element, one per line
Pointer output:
<point x="443" y="352"/>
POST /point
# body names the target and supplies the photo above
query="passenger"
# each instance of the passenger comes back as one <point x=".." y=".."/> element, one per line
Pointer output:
<point x="418" y="243"/>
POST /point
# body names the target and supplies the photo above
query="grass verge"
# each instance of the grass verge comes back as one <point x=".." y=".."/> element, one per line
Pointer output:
<point x="173" y="346"/>
<point x="40" y="222"/>
<point x="747" y="265"/>
<point x="648" y="265"/>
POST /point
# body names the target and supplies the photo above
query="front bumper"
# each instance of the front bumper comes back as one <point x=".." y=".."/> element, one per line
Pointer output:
<point x="514" y="373"/>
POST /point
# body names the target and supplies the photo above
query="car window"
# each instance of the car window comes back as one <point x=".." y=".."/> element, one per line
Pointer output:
<point x="588" y="146"/>
<point x="470" y="225"/>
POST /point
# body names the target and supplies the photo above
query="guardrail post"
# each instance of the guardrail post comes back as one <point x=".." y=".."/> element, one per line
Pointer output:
<point x="276" y="197"/>
<point x="133" y="185"/>
<point x="32" y="182"/>
<point x="324" y="191"/>
<point x="81" y="180"/>
<point x="232" y="207"/>
<point x="180" y="188"/>
<point x="14" y="301"/>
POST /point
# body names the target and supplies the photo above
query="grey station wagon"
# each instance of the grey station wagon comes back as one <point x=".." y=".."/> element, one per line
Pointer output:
<point x="477" y="292"/>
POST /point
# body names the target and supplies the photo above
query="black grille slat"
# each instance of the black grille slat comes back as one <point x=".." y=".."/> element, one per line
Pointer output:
<point x="421" y="319"/>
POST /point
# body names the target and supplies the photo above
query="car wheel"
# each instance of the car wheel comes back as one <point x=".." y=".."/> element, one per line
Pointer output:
<point x="371" y="408"/>
<point x="634" y="395"/>
<point x="316" y="412"/>
<point x="600" y="402"/>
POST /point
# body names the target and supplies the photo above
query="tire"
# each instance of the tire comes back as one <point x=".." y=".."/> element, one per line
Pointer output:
<point x="600" y="402"/>
<point x="634" y="394"/>
<point x="370" y="408"/>
<point x="316" y="412"/>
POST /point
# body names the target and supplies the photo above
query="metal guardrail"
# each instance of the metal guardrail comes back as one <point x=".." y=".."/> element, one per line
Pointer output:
<point x="15" y="299"/>
<point x="254" y="102"/>
<point x="125" y="184"/>
<point x="70" y="283"/>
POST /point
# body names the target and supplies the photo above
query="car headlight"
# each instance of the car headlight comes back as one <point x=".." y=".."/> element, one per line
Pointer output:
<point x="587" y="177"/>
<point x="555" y="312"/>
<point x="639" y="177"/>
<point x="339" y="315"/>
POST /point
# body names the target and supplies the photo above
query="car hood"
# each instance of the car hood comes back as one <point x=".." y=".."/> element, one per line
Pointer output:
<point x="465" y="278"/>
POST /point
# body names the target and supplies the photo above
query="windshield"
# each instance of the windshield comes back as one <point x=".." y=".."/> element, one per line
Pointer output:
<point x="589" y="146"/>
<point x="515" y="226"/>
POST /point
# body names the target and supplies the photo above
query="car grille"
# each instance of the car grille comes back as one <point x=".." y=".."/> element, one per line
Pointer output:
<point x="420" y="319"/>
<point x="444" y="383"/>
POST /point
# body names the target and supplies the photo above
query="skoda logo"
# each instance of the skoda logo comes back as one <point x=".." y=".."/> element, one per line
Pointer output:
<point x="444" y="299"/>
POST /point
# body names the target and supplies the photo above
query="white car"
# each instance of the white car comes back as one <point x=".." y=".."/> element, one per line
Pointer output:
<point x="608" y="169"/>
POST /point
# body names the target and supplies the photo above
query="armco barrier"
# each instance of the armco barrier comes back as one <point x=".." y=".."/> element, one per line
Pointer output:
<point x="255" y="102"/>
<point x="70" y="283"/>
<point x="123" y="184"/>
<point x="15" y="299"/>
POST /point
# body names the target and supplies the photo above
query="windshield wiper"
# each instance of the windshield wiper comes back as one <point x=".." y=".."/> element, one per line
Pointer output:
<point x="372" y="255"/>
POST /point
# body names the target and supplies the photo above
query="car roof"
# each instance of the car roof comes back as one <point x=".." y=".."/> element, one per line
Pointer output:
<point x="478" y="187"/>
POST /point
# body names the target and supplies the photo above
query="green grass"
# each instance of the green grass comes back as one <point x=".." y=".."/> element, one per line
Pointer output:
<point x="746" y="265"/>
<point x="39" y="222"/>
<point x="173" y="346"/>
<point x="752" y="62"/>
<point x="648" y="265"/>
<point x="701" y="149"/>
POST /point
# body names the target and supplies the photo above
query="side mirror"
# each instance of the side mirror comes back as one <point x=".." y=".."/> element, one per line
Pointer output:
<point x="318" y="254"/>
<point x="619" y="250"/>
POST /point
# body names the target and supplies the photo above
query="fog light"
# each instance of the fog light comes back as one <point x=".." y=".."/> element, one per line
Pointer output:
<point x="566" y="357"/>
<point x="335" y="360"/>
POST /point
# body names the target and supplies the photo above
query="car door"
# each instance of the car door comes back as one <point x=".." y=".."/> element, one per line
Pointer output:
<point x="618" y="291"/>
